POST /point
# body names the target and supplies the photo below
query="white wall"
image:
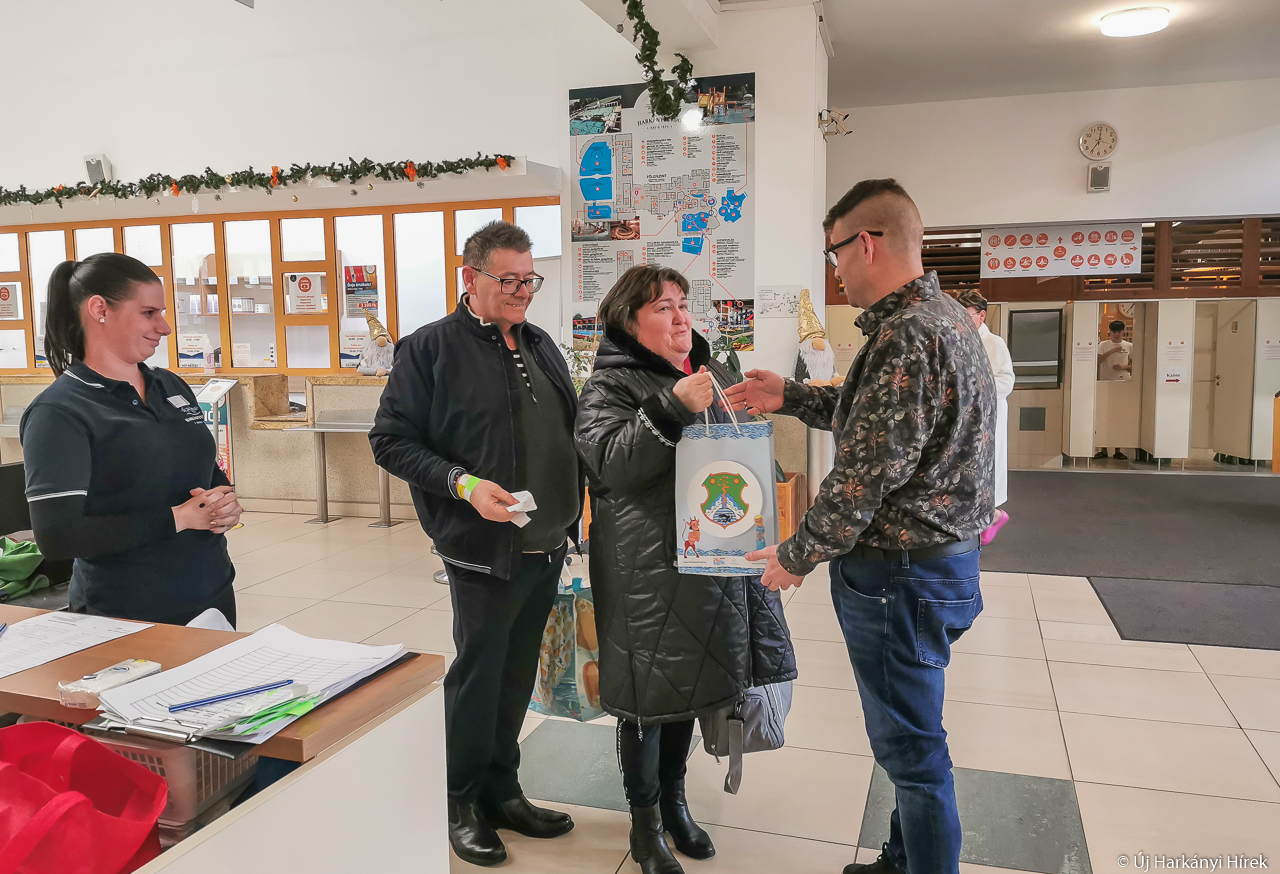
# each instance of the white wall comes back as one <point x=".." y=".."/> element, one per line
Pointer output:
<point x="1175" y="330"/>
<point x="783" y="48"/>
<point x="1082" y="378"/>
<point x="1184" y="151"/>
<point x="1266" y="376"/>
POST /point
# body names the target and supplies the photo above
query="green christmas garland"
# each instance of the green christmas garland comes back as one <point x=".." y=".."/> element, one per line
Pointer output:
<point x="664" y="97"/>
<point x="351" y="171"/>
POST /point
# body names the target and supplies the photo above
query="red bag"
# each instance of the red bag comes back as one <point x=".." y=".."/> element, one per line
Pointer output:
<point x="69" y="805"/>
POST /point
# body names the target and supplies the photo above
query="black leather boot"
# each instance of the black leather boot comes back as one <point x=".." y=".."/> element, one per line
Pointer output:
<point x="472" y="838"/>
<point x="523" y="818"/>
<point x="648" y="846"/>
<point x="689" y="837"/>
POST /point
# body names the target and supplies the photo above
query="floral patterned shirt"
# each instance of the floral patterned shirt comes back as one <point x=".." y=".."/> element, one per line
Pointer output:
<point x="914" y="426"/>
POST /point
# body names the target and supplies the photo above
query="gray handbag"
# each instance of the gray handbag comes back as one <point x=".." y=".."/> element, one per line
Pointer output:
<point x="754" y="724"/>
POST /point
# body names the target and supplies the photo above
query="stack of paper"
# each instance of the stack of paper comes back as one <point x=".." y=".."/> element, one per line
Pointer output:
<point x="320" y="670"/>
<point x="41" y="639"/>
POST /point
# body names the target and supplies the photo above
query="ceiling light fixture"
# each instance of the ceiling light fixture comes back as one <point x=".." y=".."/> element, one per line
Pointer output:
<point x="1135" y="22"/>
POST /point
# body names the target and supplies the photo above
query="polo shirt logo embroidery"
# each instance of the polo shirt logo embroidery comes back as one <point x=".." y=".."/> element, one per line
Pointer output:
<point x="178" y="401"/>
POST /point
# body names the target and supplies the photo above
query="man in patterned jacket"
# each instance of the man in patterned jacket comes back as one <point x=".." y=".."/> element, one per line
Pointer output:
<point x="900" y="514"/>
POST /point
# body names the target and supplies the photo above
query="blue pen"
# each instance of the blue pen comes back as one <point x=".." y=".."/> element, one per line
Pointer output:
<point x="227" y="696"/>
<point x="4" y="626"/>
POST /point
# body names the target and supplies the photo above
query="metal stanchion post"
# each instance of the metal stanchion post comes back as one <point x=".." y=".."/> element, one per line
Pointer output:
<point x="441" y="576"/>
<point x="384" y="501"/>
<point x="322" y="485"/>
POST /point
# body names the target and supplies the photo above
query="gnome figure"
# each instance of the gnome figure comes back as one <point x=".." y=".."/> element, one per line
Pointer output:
<point x="816" y="363"/>
<point x="379" y="355"/>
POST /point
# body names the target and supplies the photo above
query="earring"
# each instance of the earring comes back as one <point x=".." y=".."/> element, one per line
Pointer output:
<point x="103" y="320"/>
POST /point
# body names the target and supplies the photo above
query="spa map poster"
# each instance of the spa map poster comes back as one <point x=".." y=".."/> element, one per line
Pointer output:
<point x="675" y="193"/>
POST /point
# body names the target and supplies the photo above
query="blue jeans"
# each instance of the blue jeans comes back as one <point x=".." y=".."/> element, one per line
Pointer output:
<point x="899" y="620"/>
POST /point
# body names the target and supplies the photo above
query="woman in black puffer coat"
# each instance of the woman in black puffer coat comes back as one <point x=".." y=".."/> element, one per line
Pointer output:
<point x="673" y="646"/>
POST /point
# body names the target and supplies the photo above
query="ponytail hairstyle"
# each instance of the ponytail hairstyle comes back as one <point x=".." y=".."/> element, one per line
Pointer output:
<point x="109" y="275"/>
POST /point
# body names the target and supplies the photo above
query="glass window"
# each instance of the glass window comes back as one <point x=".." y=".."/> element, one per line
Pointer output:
<point x="307" y="346"/>
<point x="143" y="242"/>
<point x="195" y="294"/>
<point x="305" y="294"/>
<point x="93" y="241"/>
<point x="302" y="239"/>
<point x="10" y="300"/>
<point x="249" y="280"/>
<point x="542" y="224"/>
<point x="13" y="350"/>
<point x="1035" y="345"/>
<point x="361" y="268"/>
<point x="420" y="270"/>
<point x="9" y="254"/>
<point x="45" y="251"/>
<point x="467" y="221"/>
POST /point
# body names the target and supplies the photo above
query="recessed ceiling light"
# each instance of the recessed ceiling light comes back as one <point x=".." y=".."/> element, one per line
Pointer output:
<point x="1135" y="22"/>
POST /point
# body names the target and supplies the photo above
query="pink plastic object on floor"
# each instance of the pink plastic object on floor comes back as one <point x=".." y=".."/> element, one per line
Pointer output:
<point x="990" y="534"/>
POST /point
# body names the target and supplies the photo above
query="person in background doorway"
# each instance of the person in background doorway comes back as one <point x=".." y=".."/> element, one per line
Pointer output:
<point x="478" y="405"/>
<point x="900" y="515"/>
<point x="1115" y="363"/>
<point x="122" y="472"/>
<point x="1002" y="369"/>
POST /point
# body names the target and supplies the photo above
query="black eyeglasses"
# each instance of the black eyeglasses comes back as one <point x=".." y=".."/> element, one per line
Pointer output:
<point x="511" y="286"/>
<point x="830" y="252"/>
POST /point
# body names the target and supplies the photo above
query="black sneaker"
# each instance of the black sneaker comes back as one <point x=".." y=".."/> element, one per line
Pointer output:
<point x="1102" y="453"/>
<point x="883" y="865"/>
<point x="1120" y="455"/>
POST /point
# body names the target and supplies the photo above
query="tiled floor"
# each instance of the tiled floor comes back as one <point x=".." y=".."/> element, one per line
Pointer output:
<point x="1072" y="746"/>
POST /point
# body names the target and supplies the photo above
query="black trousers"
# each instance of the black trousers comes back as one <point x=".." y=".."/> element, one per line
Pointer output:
<point x="654" y="763"/>
<point x="226" y="604"/>
<point x="497" y="631"/>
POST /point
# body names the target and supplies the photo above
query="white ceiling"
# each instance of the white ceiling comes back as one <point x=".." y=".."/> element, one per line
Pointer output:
<point x="915" y="51"/>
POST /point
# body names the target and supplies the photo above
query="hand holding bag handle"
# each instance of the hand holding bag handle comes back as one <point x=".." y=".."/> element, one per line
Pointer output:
<point x="724" y="401"/>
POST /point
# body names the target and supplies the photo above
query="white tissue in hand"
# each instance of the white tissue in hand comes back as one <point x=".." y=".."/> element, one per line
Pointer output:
<point x="521" y="519"/>
<point x="524" y="502"/>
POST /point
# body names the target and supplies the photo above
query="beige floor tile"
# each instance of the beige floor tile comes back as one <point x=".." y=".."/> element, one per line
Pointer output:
<point x="816" y="588"/>
<point x="1173" y="657"/>
<point x="1010" y="682"/>
<point x="258" y="611"/>
<point x="833" y="787"/>
<point x="531" y="722"/>
<point x="1013" y="740"/>
<point x="345" y="535"/>
<point x="339" y="621"/>
<point x="1050" y="581"/>
<point x="1005" y="580"/>
<point x="813" y="622"/>
<point x="1075" y="631"/>
<point x="1267" y="743"/>
<point x="827" y="719"/>
<point x="866" y="855"/>
<point x="241" y="546"/>
<point x="1168" y="696"/>
<point x="380" y="560"/>
<point x="251" y="519"/>
<point x="1008" y="602"/>
<point x="739" y="851"/>
<point x="1121" y="821"/>
<point x="1239" y="662"/>
<point x="397" y="589"/>
<point x="596" y="845"/>
<point x="1255" y="702"/>
<point x="994" y="635"/>
<point x="1069" y="604"/>
<point x="424" y="631"/>
<point x="823" y="663"/>
<point x="408" y="536"/>
<point x="248" y="574"/>
<point x="288" y="555"/>
<point x="1177" y="757"/>
<point x="318" y="580"/>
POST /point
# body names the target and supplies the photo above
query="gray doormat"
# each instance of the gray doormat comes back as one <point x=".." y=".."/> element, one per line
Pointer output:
<point x="1212" y="614"/>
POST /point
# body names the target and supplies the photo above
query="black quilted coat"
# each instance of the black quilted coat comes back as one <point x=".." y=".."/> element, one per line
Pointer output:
<point x="672" y="646"/>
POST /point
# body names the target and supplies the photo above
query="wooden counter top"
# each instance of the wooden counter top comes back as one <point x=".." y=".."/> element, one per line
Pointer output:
<point x="35" y="692"/>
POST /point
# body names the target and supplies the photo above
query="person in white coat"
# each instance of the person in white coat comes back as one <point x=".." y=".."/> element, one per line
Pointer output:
<point x="1002" y="367"/>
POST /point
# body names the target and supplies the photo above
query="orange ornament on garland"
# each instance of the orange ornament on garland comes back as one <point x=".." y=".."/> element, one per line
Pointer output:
<point x="502" y="162"/>
<point x="275" y="176"/>
<point x="411" y="171"/>
<point x="174" y="188"/>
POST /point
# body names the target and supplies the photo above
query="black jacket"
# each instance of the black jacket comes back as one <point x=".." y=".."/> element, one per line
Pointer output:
<point x="672" y="645"/>
<point x="450" y="406"/>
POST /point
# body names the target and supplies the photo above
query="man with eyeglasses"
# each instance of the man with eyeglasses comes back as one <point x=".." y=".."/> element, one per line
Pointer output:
<point x="479" y="405"/>
<point x="900" y="515"/>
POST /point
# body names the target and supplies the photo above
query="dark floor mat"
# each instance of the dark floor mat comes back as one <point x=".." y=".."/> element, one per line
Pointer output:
<point x="1213" y="614"/>
<point x="1219" y="529"/>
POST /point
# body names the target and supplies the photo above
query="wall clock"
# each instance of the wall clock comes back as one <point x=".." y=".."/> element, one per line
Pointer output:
<point x="1098" y="140"/>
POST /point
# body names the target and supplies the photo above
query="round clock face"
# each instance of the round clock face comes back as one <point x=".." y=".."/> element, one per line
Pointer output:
<point x="1126" y="310"/>
<point x="1097" y="141"/>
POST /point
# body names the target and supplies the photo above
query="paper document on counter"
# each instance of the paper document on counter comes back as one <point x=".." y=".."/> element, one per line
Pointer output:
<point x="49" y="636"/>
<point x="320" y="670"/>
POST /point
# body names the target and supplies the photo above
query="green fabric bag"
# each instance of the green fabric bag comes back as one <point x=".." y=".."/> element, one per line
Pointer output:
<point x="18" y="563"/>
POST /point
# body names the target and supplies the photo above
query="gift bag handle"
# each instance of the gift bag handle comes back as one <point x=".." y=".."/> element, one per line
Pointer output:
<point x="728" y="407"/>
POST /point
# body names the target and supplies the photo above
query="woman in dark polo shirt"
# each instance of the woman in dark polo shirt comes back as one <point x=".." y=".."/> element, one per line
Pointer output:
<point x="122" y="472"/>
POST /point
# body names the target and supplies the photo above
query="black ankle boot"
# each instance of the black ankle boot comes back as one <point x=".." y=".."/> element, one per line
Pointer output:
<point x="690" y="839"/>
<point x="648" y="846"/>
<point x="472" y="838"/>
